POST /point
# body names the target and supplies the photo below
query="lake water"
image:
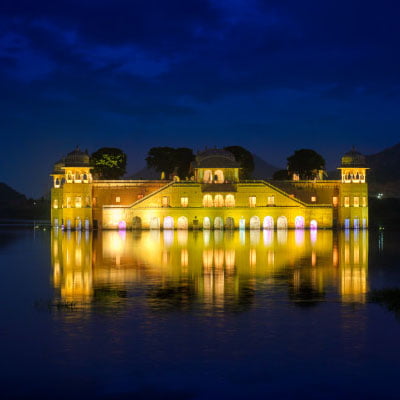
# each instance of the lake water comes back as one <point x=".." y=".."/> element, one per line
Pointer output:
<point x="198" y="315"/>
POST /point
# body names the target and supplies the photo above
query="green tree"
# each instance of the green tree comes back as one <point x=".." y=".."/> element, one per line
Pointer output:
<point x="306" y="163"/>
<point x="170" y="160"/>
<point x="244" y="158"/>
<point x="109" y="163"/>
<point x="183" y="159"/>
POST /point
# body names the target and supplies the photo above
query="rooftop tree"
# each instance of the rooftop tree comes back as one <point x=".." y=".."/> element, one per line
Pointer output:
<point x="170" y="160"/>
<point x="306" y="163"/>
<point x="109" y="163"/>
<point x="244" y="158"/>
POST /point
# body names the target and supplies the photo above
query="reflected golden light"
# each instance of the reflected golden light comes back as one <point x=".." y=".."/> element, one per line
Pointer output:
<point x="184" y="258"/>
<point x="253" y="257"/>
<point x="299" y="237"/>
<point x="254" y="237"/>
<point x="220" y="263"/>
<point x="219" y="258"/>
<point x="230" y="259"/>
<point x="313" y="258"/>
<point x="335" y="256"/>
<point x="282" y="235"/>
<point x="268" y="235"/>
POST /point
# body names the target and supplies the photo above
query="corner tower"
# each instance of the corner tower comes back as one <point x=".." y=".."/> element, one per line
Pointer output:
<point x="71" y="194"/>
<point x="353" y="211"/>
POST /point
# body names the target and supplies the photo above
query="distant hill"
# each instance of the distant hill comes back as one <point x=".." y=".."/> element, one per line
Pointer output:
<point x="262" y="169"/>
<point x="385" y="165"/>
<point x="9" y="196"/>
<point x="16" y="205"/>
<point x="384" y="173"/>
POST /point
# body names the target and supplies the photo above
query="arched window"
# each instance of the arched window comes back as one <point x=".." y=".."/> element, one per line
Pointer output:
<point x="230" y="200"/>
<point x="121" y="225"/>
<point x="254" y="223"/>
<point x="219" y="176"/>
<point x="155" y="223"/>
<point x="230" y="223"/>
<point x="313" y="224"/>
<point x="136" y="223"/>
<point x="207" y="176"/>
<point x="218" y="201"/>
<point x="218" y="223"/>
<point x="208" y="201"/>
<point x="268" y="223"/>
<point x="206" y="223"/>
<point x="182" y="223"/>
<point x="282" y="223"/>
<point x="168" y="223"/>
<point x="299" y="222"/>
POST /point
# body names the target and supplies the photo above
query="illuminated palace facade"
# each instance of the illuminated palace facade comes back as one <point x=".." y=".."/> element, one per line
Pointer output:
<point x="214" y="198"/>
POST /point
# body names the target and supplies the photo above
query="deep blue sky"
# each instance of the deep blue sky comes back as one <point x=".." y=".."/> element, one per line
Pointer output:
<point x="272" y="76"/>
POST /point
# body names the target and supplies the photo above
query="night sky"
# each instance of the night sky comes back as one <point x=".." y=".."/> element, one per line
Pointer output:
<point x="272" y="76"/>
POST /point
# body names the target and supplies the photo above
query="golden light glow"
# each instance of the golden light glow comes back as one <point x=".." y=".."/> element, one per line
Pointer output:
<point x="216" y="264"/>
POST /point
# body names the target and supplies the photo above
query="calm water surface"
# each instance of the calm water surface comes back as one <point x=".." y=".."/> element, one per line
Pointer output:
<point x="198" y="315"/>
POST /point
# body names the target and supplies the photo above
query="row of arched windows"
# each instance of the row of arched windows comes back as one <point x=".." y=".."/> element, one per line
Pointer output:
<point x="72" y="178"/>
<point x="353" y="177"/>
<point x="218" y="200"/>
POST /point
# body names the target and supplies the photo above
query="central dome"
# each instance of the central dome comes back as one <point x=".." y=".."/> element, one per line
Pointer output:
<point x="353" y="159"/>
<point x="77" y="158"/>
<point x="216" y="158"/>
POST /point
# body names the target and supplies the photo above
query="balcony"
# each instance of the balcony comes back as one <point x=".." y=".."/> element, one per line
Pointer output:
<point x="218" y="187"/>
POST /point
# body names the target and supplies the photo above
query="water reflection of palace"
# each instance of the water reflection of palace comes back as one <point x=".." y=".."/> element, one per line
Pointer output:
<point x="211" y="268"/>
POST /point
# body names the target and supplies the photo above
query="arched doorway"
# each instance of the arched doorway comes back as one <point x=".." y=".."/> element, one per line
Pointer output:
<point x="230" y="223"/>
<point x="206" y="223"/>
<point x="254" y="223"/>
<point x="313" y="224"/>
<point x="218" y="200"/>
<point x="87" y="224"/>
<point x="154" y="223"/>
<point x="268" y="223"/>
<point x="207" y="176"/>
<point x="68" y="224"/>
<point x="218" y="223"/>
<point x="356" y="223"/>
<point x="168" y="223"/>
<point x="229" y="200"/>
<point x="78" y="224"/>
<point x="282" y="223"/>
<point x="208" y="200"/>
<point x="121" y="225"/>
<point x="219" y="176"/>
<point x="182" y="223"/>
<point x="299" y="222"/>
<point x="137" y="223"/>
<point x="242" y="224"/>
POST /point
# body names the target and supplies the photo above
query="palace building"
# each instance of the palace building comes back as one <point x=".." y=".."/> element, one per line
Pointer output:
<point x="214" y="198"/>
